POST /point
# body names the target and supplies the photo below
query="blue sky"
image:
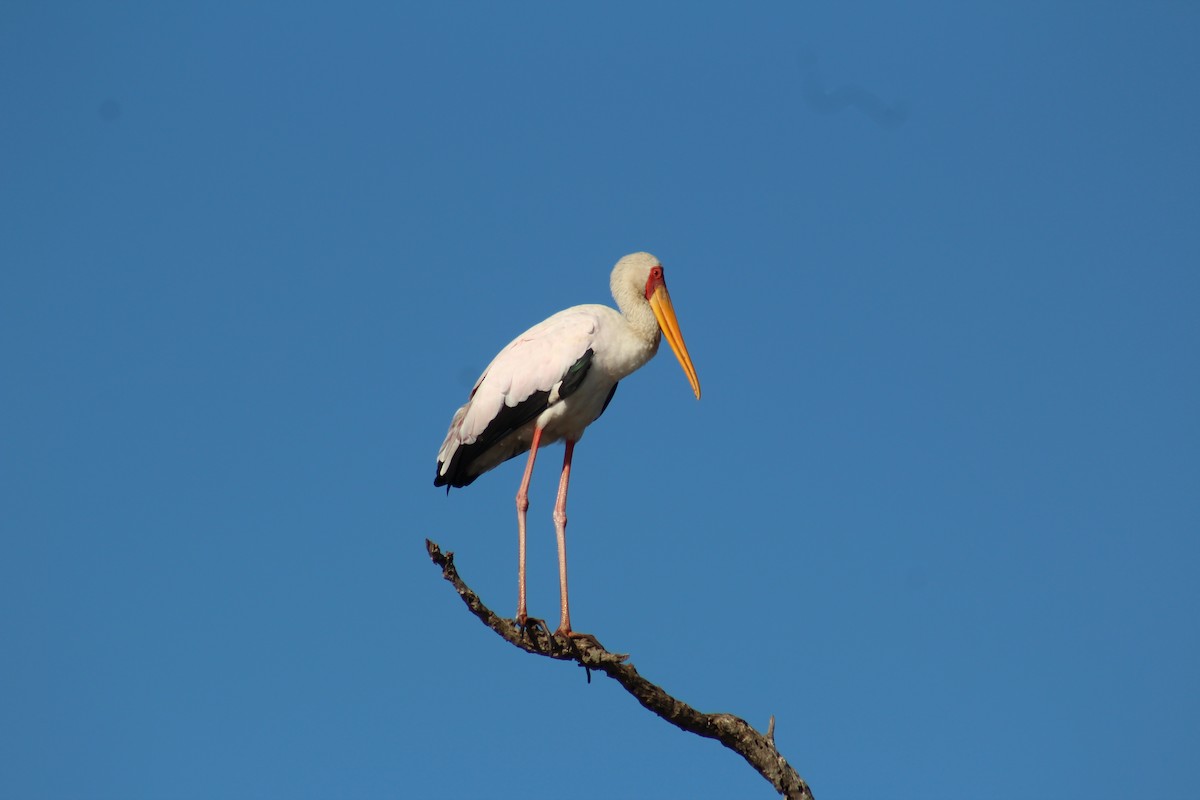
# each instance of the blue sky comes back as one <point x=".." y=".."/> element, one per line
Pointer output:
<point x="938" y="265"/>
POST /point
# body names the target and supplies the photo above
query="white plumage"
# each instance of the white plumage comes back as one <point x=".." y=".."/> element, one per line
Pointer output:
<point x="554" y="380"/>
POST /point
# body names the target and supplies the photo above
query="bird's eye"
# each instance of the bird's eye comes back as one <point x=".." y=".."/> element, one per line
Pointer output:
<point x="654" y="280"/>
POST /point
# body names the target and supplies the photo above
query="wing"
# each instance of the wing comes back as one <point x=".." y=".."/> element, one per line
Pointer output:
<point x="536" y="370"/>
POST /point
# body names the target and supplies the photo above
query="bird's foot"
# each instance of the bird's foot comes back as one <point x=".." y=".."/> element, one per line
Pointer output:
<point x="567" y="633"/>
<point x="575" y="636"/>
<point x="525" y="622"/>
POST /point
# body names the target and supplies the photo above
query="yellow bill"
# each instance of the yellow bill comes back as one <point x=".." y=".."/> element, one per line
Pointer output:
<point x="664" y="312"/>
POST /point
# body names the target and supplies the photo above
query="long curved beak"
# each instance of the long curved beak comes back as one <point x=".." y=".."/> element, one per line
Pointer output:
<point x="664" y="312"/>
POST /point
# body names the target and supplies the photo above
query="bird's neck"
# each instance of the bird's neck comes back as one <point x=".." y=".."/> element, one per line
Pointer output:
<point x="637" y="312"/>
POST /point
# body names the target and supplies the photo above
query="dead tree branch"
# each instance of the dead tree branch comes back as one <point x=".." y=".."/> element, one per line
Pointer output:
<point x="733" y="732"/>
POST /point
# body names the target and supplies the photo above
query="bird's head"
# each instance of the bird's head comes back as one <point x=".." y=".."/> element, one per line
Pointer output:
<point x="638" y="278"/>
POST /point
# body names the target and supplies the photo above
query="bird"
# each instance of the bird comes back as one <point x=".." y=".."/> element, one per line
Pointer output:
<point x="549" y="384"/>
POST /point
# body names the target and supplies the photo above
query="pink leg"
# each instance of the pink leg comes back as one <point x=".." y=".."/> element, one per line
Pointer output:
<point x="522" y="507"/>
<point x="560" y="528"/>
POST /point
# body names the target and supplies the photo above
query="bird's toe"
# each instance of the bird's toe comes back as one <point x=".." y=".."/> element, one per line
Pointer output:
<point x="525" y="622"/>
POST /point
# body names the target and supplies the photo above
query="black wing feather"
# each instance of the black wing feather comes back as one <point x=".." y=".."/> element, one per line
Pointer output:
<point x="608" y="399"/>
<point x="507" y="421"/>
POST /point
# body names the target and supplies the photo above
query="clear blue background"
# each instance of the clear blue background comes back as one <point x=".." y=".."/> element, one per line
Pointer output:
<point x="938" y="265"/>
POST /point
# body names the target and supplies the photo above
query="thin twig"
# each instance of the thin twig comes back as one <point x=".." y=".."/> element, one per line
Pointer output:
<point x="733" y="732"/>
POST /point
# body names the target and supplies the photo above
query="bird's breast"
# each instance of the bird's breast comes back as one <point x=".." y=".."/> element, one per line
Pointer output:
<point x="619" y="349"/>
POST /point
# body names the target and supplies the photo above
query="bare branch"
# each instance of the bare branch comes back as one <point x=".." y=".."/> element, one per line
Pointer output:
<point x="733" y="732"/>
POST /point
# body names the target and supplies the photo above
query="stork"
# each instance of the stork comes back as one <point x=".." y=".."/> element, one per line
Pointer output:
<point x="549" y="384"/>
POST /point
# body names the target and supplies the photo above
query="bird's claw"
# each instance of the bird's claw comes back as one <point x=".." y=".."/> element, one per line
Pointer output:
<point x="570" y="634"/>
<point x="525" y="622"/>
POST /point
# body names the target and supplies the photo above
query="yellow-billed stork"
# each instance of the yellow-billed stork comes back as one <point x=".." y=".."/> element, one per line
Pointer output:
<point x="553" y="381"/>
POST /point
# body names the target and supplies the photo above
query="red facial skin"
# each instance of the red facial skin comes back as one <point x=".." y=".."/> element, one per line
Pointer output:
<point x="654" y="281"/>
